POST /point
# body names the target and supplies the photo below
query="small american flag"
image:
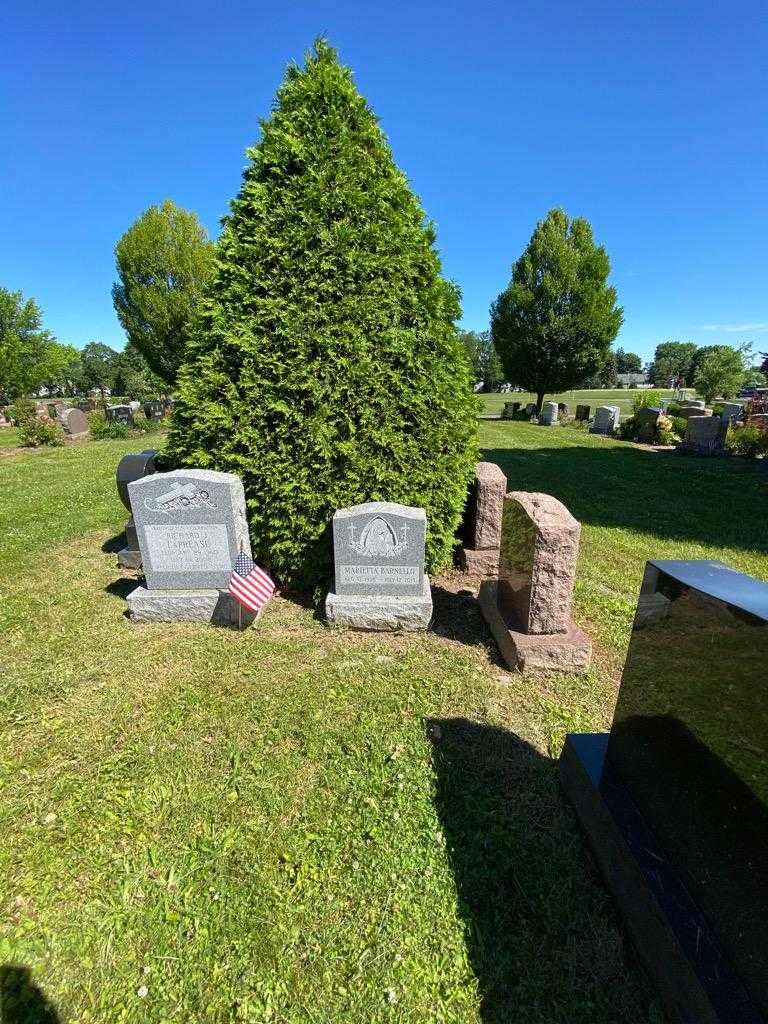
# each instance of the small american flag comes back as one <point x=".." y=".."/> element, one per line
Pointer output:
<point x="249" y="584"/>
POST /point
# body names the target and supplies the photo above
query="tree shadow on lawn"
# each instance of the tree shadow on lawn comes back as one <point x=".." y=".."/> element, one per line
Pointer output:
<point x="21" y="1000"/>
<point x="717" y="501"/>
<point x="543" y="939"/>
<point x="457" y="617"/>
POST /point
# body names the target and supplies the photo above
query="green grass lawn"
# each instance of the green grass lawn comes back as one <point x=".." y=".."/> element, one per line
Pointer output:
<point x="293" y="824"/>
<point x="494" y="403"/>
<point x="9" y="438"/>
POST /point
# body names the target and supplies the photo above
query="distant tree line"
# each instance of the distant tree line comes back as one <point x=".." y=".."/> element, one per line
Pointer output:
<point x="31" y="359"/>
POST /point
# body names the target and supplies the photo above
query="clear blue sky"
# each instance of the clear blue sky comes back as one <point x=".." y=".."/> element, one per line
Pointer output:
<point x="647" y="118"/>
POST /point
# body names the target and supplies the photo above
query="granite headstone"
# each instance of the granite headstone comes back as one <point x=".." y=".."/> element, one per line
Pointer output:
<point x="191" y="525"/>
<point x="379" y="578"/>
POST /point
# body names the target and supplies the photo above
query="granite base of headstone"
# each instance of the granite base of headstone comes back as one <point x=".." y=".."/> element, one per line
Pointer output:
<point x="528" y="607"/>
<point x="674" y="801"/>
<point x="485" y="506"/>
<point x="379" y="578"/>
<point x="191" y="525"/>
<point x="132" y="467"/>
<point x="606" y="420"/>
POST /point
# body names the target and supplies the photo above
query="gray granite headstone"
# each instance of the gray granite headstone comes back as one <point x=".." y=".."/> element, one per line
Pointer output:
<point x="378" y="548"/>
<point x="191" y="524"/>
<point x="606" y="419"/>
<point x="582" y="413"/>
<point x="380" y="581"/>
<point x="549" y="414"/>
<point x="705" y="435"/>
<point x="731" y="410"/>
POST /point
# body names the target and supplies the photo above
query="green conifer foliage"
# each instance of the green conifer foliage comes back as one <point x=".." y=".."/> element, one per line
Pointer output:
<point x="325" y="369"/>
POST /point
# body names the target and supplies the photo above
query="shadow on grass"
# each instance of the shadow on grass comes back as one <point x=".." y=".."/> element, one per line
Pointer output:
<point x="543" y="940"/>
<point x="457" y="616"/>
<point x="706" y="501"/>
<point x="122" y="587"/>
<point x="114" y="544"/>
<point x="21" y="1000"/>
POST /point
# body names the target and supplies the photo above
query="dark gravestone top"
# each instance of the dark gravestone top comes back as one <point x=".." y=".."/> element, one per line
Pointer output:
<point x="689" y="742"/>
<point x="134" y="467"/>
<point x="378" y="549"/>
<point x="582" y="413"/>
<point x="154" y="409"/>
<point x="120" y="414"/>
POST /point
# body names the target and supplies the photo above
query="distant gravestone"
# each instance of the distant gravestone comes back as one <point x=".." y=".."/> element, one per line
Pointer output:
<point x="120" y="414"/>
<point x="132" y="467"/>
<point x="606" y="420"/>
<point x="154" y="409"/>
<point x="687" y="411"/>
<point x="485" y="507"/>
<point x="509" y="410"/>
<point x="549" y="414"/>
<point x="87" y="406"/>
<point x="562" y="409"/>
<point x="530" y="409"/>
<point x="74" y="422"/>
<point x="705" y="435"/>
<point x="191" y="525"/>
<point x="529" y="606"/>
<point x="731" y="410"/>
<point x="647" y="419"/>
<point x="379" y="578"/>
<point x="582" y="413"/>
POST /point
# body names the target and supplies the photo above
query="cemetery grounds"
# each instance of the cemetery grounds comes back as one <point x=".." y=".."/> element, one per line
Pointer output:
<point x="293" y="824"/>
<point x="492" y="404"/>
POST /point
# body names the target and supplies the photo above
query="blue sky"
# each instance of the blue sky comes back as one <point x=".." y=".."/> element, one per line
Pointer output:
<point x="649" y="119"/>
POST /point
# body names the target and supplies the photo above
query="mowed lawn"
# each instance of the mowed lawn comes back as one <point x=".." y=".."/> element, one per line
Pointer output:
<point x="294" y="824"/>
<point x="493" y="403"/>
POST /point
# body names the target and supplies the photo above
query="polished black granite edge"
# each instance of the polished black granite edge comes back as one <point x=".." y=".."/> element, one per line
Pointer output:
<point x="715" y="579"/>
<point x="684" y="940"/>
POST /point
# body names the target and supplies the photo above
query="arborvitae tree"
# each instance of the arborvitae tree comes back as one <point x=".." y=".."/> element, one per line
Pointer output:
<point x="554" y="324"/>
<point x="325" y="369"/>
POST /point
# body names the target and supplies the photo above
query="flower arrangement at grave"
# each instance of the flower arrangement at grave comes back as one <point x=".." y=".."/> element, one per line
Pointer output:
<point x="325" y="368"/>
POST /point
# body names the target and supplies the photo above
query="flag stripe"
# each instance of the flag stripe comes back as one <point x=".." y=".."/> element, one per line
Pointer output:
<point x="249" y="584"/>
<point x="253" y="584"/>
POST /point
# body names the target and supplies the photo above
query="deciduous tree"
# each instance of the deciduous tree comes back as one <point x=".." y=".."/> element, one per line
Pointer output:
<point x="554" y="324"/>
<point x="165" y="262"/>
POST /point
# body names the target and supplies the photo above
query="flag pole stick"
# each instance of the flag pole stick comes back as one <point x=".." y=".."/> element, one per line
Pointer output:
<point x="239" y="605"/>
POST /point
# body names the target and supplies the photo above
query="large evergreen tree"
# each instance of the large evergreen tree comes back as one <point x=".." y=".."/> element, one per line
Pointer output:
<point x="554" y="323"/>
<point x="325" y="369"/>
